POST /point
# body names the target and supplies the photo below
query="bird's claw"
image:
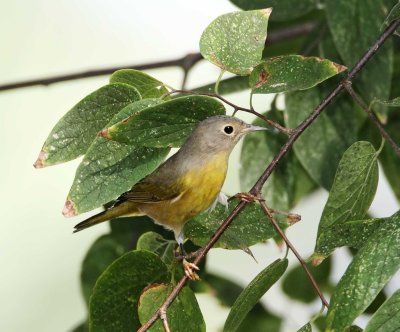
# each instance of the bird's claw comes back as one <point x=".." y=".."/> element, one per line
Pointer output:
<point x="246" y="197"/>
<point x="188" y="268"/>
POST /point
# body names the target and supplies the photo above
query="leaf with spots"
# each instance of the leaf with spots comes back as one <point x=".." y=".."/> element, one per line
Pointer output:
<point x="351" y="194"/>
<point x="352" y="233"/>
<point x="147" y="86"/>
<point x="387" y="318"/>
<point x="110" y="168"/>
<point x="249" y="227"/>
<point x="253" y="293"/>
<point x="164" y="125"/>
<point x="373" y="266"/>
<point x="114" y="302"/>
<point x="283" y="9"/>
<point x="291" y="72"/>
<point x="322" y="144"/>
<point x="183" y="315"/>
<point x="355" y="25"/>
<point x="235" y="41"/>
<point x="76" y="130"/>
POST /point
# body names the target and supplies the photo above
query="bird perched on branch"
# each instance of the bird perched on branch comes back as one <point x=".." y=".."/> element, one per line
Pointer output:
<point x="186" y="184"/>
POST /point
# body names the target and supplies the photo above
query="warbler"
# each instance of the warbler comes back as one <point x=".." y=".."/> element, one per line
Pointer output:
<point x="186" y="184"/>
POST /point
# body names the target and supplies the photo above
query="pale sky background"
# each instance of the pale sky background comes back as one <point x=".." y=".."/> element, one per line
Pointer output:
<point x="40" y="259"/>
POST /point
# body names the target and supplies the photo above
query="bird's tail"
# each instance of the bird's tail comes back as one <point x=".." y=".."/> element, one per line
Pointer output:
<point x="125" y="209"/>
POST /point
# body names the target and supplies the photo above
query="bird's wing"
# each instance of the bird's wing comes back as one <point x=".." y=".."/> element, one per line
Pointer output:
<point x="147" y="192"/>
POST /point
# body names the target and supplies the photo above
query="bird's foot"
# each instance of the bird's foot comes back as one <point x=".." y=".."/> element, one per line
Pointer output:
<point x="246" y="197"/>
<point x="189" y="268"/>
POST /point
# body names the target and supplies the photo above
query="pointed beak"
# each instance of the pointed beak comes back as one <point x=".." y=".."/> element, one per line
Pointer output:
<point x="252" y="128"/>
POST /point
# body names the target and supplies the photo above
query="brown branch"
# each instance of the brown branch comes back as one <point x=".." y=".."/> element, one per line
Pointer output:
<point x="371" y="114"/>
<point x="260" y="182"/>
<point x="293" y="249"/>
<point x="276" y="125"/>
<point x="164" y="319"/>
<point x="186" y="62"/>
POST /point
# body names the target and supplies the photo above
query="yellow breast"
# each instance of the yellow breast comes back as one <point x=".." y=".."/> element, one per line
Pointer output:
<point x="201" y="185"/>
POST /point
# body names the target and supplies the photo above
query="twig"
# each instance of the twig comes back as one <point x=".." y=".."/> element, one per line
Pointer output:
<point x="372" y="117"/>
<point x="258" y="185"/>
<point x="276" y="125"/>
<point x="293" y="249"/>
<point x="186" y="62"/>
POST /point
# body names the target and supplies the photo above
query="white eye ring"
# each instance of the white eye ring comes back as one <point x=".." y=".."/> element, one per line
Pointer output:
<point x="228" y="130"/>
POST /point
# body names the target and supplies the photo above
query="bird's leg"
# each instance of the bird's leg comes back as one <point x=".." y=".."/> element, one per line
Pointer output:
<point x="188" y="267"/>
<point x="249" y="198"/>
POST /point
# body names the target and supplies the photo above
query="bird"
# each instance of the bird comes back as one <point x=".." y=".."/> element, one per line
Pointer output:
<point x="186" y="184"/>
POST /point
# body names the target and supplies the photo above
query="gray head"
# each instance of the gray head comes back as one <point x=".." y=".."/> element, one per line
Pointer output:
<point x="219" y="133"/>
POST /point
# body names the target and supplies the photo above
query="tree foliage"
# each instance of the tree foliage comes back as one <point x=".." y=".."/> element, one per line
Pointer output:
<point x="125" y="129"/>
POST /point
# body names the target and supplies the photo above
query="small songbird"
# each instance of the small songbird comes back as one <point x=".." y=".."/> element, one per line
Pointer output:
<point x="186" y="184"/>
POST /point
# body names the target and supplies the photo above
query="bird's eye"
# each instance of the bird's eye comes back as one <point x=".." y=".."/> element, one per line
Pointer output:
<point x="228" y="130"/>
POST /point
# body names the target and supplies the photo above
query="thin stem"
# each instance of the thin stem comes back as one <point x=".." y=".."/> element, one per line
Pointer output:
<point x="260" y="182"/>
<point x="372" y="116"/>
<point x="293" y="249"/>
<point x="276" y="125"/>
<point x="186" y="62"/>
<point x="218" y="80"/>
<point x="164" y="319"/>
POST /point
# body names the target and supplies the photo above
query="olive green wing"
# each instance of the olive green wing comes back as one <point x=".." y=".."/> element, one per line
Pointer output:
<point x="147" y="192"/>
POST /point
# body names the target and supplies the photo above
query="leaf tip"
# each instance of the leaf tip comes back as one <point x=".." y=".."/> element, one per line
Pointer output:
<point x="317" y="260"/>
<point x="293" y="218"/>
<point x="266" y="11"/>
<point x="69" y="209"/>
<point x="42" y="157"/>
<point x="338" y="67"/>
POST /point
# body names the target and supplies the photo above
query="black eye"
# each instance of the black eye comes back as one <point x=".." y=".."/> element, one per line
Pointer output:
<point x="228" y="130"/>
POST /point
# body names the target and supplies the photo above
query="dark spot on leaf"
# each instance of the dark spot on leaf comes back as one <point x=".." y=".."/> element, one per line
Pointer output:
<point x="39" y="162"/>
<point x="262" y="78"/>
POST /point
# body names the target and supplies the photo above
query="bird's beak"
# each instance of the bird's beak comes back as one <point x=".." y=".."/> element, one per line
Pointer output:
<point x="251" y="128"/>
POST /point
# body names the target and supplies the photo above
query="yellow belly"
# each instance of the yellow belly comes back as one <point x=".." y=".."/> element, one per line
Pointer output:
<point x="201" y="188"/>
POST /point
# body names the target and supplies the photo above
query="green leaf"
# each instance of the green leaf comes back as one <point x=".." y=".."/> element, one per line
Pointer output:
<point x="352" y="192"/>
<point x="387" y="318"/>
<point x="101" y="254"/>
<point x="305" y="328"/>
<point x="147" y="86"/>
<point x="283" y="9"/>
<point x="291" y="72"/>
<point x="367" y="274"/>
<point x="253" y="293"/>
<point x="321" y="145"/>
<point x="75" y="131"/>
<point x="389" y="159"/>
<point x="391" y="103"/>
<point x="81" y="328"/>
<point x="235" y="41"/>
<point x="355" y="25"/>
<point x="113" y="305"/>
<point x="249" y="227"/>
<point x="349" y="233"/>
<point x="110" y="168"/>
<point x="297" y="276"/>
<point x="165" y="125"/>
<point x="154" y="242"/>
<point x="289" y="182"/>
<point x="393" y="16"/>
<point x="183" y="315"/>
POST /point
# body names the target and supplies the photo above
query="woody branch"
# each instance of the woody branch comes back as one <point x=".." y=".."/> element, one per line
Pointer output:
<point x="256" y="189"/>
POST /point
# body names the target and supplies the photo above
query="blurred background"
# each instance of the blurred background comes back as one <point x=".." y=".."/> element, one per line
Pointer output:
<point x="40" y="259"/>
